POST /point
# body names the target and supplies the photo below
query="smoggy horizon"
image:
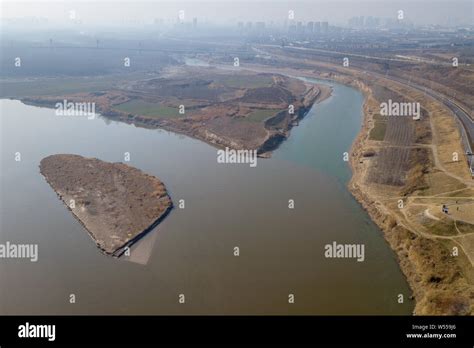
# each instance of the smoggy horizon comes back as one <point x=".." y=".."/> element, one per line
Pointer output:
<point x="107" y="13"/>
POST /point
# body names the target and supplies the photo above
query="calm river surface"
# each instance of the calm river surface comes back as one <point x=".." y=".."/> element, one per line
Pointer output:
<point x="191" y="252"/>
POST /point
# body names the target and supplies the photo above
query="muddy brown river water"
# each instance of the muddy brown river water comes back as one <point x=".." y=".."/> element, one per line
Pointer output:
<point x="192" y="251"/>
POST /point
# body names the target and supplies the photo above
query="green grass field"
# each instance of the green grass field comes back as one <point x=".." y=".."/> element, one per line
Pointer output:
<point x="260" y="115"/>
<point x="155" y="110"/>
<point x="244" y="81"/>
<point x="62" y="85"/>
<point x="378" y="132"/>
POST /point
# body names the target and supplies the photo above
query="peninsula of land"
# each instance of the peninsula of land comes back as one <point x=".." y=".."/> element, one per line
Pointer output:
<point x="236" y="109"/>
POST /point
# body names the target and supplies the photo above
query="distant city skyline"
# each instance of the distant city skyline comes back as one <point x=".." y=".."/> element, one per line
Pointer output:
<point x="339" y="12"/>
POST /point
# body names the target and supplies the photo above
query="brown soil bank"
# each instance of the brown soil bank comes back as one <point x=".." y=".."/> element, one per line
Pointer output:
<point x="441" y="280"/>
<point x="117" y="204"/>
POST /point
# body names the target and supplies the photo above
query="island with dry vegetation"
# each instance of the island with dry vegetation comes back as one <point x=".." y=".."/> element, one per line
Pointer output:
<point x="116" y="203"/>
<point x="236" y="109"/>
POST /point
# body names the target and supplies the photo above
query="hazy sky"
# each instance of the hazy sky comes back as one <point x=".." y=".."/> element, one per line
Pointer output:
<point x="335" y="11"/>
